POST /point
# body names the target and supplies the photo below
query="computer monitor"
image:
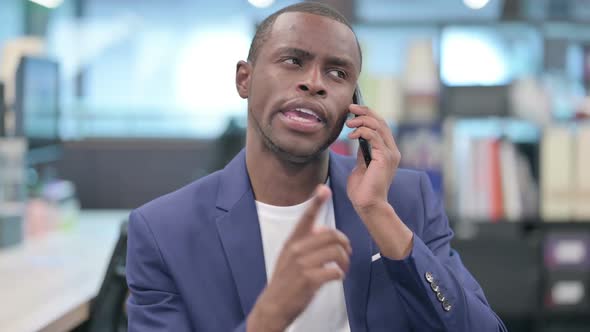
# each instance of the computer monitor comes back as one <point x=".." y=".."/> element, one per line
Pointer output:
<point x="36" y="108"/>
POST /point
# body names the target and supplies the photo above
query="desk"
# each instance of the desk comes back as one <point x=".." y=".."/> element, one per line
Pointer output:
<point x="46" y="284"/>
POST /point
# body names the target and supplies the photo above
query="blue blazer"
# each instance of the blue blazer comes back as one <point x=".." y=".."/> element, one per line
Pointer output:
<point x="195" y="260"/>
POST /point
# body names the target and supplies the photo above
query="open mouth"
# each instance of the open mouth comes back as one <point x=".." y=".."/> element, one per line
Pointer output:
<point x="303" y="115"/>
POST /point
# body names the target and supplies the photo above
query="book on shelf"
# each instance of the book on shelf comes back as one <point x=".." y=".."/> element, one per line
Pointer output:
<point x="388" y="98"/>
<point x="482" y="189"/>
<point x="421" y="83"/>
<point x="497" y="203"/>
<point x="383" y="93"/>
<point x="511" y="192"/>
<point x="565" y="173"/>
<point x="557" y="173"/>
<point x="586" y="63"/>
<point x="421" y="148"/>
<point x="489" y="180"/>
<point x="582" y="181"/>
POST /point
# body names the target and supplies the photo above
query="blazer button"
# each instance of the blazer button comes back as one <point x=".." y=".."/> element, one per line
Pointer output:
<point x="434" y="286"/>
<point x="446" y="305"/>
<point x="440" y="297"/>
<point x="429" y="277"/>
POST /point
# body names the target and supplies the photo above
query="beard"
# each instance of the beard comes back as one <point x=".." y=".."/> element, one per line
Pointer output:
<point x="289" y="155"/>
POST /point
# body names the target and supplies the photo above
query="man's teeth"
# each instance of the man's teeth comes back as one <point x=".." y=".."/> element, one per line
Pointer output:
<point x="298" y="119"/>
<point x="310" y="112"/>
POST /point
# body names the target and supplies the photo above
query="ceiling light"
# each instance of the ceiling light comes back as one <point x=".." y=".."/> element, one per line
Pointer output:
<point x="476" y="4"/>
<point x="261" y="3"/>
<point x="48" y="3"/>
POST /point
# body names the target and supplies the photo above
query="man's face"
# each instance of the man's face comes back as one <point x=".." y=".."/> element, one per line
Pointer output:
<point x="301" y="85"/>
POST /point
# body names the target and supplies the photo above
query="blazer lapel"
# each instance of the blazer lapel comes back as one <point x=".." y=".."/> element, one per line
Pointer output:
<point x="356" y="283"/>
<point x="239" y="232"/>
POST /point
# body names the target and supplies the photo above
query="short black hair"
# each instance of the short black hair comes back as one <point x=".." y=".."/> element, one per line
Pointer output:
<point x="264" y="29"/>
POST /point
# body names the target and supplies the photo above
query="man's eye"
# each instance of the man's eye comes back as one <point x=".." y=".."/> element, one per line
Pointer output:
<point x="338" y="73"/>
<point x="292" y="61"/>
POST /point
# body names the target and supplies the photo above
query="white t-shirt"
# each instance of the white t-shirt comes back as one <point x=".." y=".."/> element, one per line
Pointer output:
<point x="327" y="310"/>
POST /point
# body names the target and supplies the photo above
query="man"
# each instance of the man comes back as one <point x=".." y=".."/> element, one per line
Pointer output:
<point x="247" y="249"/>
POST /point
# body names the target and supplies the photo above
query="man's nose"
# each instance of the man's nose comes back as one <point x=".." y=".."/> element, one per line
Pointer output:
<point x="312" y="82"/>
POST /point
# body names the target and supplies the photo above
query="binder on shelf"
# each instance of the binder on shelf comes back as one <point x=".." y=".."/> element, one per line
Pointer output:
<point x="421" y="83"/>
<point x="388" y="99"/>
<point x="464" y="178"/>
<point x="482" y="189"/>
<point x="448" y="169"/>
<point x="510" y="184"/>
<point x="582" y="183"/>
<point x="496" y="186"/>
<point x="557" y="174"/>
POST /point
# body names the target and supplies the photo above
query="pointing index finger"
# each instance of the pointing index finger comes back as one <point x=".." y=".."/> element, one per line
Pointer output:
<point x="305" y="225"/>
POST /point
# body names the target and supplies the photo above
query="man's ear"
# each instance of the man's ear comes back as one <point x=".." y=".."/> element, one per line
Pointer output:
<point x="243" y="74"/>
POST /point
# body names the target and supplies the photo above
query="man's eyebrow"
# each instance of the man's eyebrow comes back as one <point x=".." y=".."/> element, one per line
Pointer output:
<point x="303" y="54"/>
<point x="306" y="55"/>
<point x="340" y="62"/>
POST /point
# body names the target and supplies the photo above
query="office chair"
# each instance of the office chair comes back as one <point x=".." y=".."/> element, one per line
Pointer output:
<point x="107" y="312"/>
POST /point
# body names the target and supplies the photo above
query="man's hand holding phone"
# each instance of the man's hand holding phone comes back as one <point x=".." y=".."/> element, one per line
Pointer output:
<point x="368" y="186"/>
<point x="311" y="257"/>
<point x="357" y="98"/>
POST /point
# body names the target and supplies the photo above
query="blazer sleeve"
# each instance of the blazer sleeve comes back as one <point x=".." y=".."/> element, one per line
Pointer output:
<point x="154" y="303"/>
<point x="439" y="292"/>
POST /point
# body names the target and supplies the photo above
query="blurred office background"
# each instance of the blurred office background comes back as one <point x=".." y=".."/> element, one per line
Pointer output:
<point x="107" y="104"/>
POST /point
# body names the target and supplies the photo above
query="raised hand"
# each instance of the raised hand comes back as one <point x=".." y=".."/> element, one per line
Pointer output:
<point x="311" y="257"/>
<point x="368" y="186"/>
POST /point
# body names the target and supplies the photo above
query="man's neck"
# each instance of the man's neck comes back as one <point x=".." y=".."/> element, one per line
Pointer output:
<point x="276" y="181"/>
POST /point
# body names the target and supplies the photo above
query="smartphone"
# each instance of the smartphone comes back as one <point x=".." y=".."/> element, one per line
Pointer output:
<point x="357" y="98"/>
